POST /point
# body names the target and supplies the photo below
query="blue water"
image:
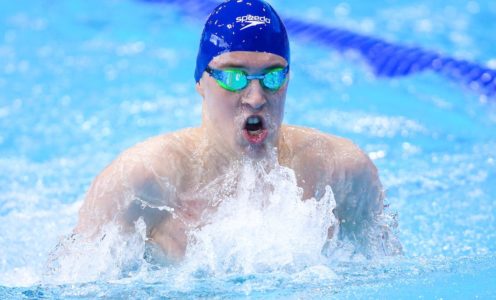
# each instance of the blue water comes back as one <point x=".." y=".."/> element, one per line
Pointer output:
<point x="80" y="81"/>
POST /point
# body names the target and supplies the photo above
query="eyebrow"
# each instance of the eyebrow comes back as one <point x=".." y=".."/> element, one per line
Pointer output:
<point x="239" y="66"/>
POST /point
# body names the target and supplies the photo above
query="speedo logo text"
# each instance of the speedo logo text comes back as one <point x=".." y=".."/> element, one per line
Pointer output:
<point x="252" y="21"/>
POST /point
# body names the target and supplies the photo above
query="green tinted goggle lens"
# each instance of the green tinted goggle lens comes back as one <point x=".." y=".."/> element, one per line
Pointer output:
<point x="235" y="80"/>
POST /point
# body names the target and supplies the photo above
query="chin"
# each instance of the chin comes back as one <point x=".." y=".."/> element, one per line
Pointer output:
<point x="257" y="151"/>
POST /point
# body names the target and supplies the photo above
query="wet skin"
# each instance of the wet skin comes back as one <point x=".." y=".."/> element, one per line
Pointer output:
<point x="185" y="170"/>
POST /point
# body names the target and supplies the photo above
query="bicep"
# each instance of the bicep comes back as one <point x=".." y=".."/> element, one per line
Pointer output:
<point x="124" y="192"/>
<point x="367" y="189"/>
<point x="359" y="195"/>
<point x="106" y="201"/>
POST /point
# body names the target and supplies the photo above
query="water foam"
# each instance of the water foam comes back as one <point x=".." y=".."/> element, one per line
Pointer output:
<point x="112" y="255"/>
<point x="263" y="227"/>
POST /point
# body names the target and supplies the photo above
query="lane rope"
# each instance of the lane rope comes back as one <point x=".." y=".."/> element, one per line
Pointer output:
<point x="385" y="58"/>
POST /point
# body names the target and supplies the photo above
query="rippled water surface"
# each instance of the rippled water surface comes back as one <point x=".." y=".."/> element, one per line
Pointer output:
<point x="80" y="81"/>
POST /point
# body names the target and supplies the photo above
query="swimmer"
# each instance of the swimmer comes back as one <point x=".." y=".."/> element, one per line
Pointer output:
<point x="242" y="75"/>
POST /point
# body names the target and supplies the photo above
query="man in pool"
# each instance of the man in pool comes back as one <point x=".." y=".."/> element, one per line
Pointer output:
<point x="242" y="75"/>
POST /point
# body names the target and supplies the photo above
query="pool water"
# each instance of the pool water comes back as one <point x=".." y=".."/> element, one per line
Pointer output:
<point x="80" y="81"/>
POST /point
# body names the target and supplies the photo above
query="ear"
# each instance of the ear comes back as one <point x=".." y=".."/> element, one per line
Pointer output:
<point x="199" y="88"/>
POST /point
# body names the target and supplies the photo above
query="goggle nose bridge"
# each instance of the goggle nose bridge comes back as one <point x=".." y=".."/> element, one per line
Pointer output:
<point x="251" y="77"/>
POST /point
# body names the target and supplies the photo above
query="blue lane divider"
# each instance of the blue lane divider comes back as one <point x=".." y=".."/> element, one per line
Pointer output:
<point x="385" y="58"/>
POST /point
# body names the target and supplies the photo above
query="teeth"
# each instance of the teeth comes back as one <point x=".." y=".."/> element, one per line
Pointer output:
<point x="253" y="120"/>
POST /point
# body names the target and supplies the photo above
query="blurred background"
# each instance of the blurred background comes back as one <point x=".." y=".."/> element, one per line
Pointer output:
<point x="82" y="80"/>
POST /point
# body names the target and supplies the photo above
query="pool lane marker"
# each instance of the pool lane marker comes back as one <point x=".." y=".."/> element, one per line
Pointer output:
<point x="386" y="59"/>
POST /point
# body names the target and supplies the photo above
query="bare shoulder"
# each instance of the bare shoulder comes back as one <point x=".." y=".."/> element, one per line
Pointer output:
<point x="327" y="159"/>
<point x="161" y="155"/>
<point x="148" y="172"/>
<point x="157" y="157"/>
<point x="331" y="150"/>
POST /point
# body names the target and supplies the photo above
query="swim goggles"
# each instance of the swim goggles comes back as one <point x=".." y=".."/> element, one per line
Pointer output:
<point x="235" y="80"/>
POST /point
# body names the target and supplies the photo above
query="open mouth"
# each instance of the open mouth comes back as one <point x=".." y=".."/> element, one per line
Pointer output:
<point x="254" y="130"/>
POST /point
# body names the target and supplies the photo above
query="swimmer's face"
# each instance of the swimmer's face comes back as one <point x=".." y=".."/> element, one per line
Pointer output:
<point x="247" y="121"/>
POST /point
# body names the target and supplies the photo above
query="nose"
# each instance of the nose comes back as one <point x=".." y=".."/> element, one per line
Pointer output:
<point x="254" y="95"/>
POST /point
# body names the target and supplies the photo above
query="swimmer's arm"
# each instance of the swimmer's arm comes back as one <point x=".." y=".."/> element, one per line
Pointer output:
<point x="359" y="195"/>
<point x="125" y="191"/>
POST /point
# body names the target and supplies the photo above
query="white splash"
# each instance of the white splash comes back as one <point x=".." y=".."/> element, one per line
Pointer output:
<point x="111" y="255"/>
<point x="265" y="226"/>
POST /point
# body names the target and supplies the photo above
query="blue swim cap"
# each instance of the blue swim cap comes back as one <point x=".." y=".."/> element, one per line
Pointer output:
<point x="241" y="25"/>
